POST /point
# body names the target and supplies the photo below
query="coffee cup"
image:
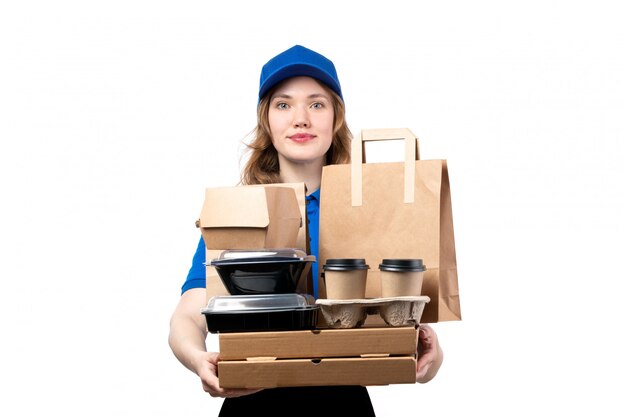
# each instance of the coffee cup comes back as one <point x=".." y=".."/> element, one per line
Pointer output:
<point x="345" y="278"/>
<point x="401" y="277"/>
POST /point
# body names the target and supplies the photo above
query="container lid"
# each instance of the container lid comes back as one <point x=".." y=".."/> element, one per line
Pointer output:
<point x="245" y="256"/>
<point x="402" y="265"/>
<point x="260" y="302"/>
<point x="345" y="264"/>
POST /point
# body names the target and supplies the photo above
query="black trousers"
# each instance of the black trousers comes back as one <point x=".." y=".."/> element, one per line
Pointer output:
<point x="301" y="402"/>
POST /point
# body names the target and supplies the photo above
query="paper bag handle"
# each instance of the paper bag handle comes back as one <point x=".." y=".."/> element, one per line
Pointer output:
<point x="411" y="154"/>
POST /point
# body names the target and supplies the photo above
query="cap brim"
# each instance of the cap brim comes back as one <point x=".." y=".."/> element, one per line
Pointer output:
<point x="297" y="70"/>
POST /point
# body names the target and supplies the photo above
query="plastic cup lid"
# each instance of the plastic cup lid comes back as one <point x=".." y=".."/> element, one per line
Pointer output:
<point x="402" y="265"/>
<point x="345" y="264"/>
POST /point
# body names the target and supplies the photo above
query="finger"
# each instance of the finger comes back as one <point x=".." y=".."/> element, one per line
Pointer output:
<point x="233" y="393"/>
<point x="426" y="334"/>
<point x="212" y="390"/>
<point x="217" y="391"/>
<point x="425" y="357"/>
<point x="421" y="371"/>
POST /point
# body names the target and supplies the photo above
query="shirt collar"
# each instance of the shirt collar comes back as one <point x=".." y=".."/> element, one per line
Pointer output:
<point x="315" y="195"/>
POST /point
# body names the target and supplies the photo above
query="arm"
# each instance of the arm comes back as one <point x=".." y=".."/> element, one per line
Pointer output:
<point x="187" y="338"/>
<point x="430" y="355"/>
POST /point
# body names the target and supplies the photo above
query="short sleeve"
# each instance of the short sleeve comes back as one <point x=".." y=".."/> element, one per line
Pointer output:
<point x="196" y="278"/>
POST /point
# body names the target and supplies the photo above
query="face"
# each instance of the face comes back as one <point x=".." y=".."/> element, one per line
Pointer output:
<point x="301" y="119"/>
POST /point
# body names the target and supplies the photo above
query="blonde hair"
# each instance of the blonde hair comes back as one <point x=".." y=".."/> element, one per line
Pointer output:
<point x="262" y="167"/>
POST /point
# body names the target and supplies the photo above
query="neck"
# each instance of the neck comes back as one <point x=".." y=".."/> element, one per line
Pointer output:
<point x="308" y="173"/>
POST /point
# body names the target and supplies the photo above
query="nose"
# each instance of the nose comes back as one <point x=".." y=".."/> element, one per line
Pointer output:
<point x="301" y="118"/>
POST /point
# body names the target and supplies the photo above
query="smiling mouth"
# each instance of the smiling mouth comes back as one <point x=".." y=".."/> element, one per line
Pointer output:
<point x="301" y="137"/>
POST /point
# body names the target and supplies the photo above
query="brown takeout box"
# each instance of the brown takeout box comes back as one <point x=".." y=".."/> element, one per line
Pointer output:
<point x="245" y="217"/>
<point x="364" y="356"/>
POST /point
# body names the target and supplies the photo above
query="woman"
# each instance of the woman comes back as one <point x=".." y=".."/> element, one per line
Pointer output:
<point x="300" y="128"/>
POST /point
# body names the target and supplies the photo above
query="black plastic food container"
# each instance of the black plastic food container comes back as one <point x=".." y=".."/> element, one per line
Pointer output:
<point x="264" y="271"/>
<point x="266" y="312"/>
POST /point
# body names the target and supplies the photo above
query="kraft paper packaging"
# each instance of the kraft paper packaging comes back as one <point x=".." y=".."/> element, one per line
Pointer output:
<point x="393" y="210"/>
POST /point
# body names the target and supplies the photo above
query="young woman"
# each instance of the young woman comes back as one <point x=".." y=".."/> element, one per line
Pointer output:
<point x="301" y="127"/>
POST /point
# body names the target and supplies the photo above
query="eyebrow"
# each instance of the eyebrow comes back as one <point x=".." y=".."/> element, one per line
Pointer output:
<point x="287" y="96"/>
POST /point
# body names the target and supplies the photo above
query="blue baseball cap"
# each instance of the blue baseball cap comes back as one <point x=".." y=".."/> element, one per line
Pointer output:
<point x="298" y="61"/>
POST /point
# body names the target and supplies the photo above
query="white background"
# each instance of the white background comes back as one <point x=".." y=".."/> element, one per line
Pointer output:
<point x="114" y="117"/>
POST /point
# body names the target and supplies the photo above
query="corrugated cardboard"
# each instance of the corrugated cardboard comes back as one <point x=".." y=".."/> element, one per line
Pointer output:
<point x="270" y="373"/>
<point x="362" y="356"/>
<point x="325" y="343"/>
<point x="247" y="217"/>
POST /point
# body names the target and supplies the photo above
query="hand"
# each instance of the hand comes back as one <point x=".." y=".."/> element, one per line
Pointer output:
<point x="429" y="354"/>
<point x="207" y="371"/>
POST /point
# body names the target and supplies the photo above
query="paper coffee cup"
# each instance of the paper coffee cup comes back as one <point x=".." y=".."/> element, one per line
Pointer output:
<point x="345" y="278"/>
<point x="401" y="277"/>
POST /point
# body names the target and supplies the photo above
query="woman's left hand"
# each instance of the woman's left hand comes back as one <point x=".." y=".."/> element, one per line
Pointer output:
<point x="429" y="354"/>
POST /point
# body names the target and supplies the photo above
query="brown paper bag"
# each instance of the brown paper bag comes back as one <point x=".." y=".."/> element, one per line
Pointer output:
<point x="392" y="210"/>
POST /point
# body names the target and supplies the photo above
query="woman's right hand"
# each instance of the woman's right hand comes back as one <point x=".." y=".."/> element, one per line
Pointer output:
<point x="207" y="371"/>
<point x="187" y="339"/>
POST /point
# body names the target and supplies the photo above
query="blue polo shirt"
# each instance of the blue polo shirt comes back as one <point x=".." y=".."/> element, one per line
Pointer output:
<point x="196" y="278"/>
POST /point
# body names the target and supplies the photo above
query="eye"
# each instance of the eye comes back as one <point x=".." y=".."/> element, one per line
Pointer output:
<point x="282" y="105"/>
<point x="317" y="105"/>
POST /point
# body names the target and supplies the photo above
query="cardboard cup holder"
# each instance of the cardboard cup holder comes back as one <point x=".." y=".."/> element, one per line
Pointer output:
<point x="395" y="311"/>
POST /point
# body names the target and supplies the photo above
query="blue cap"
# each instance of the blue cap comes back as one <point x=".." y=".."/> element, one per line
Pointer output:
<point x="298" y="61"/>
